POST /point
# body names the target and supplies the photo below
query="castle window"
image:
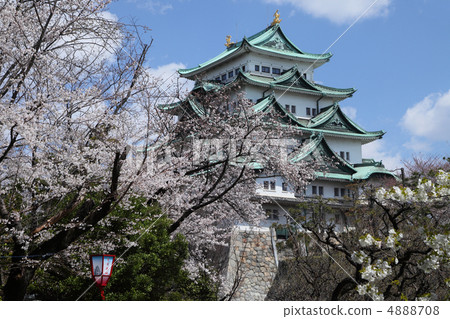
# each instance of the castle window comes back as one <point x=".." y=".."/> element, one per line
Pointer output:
<point x="342" y="154"/>
<point x="321" y="190"/>
<point x="266" y="184"/>
<point x="342" y="192"/>
<point x="272" y="214"/>
<point x="257" y="68"/>
<point x="230" y="74"/>
<point x="288" y="107"/>
<point x="304" y="75"/>
<point x="272" y="185"/>
<point x="265" y="69"/>
<point x="276" y="71"/>
<point x="284" y="187"/>
<point x="243" y="68"/>
<point x="314" y="190"/>
<point x="308" y="111"/>
<point x="236" y="71"/>
<point x="293" y="109"/>
<point x="314" y="111"/>
<point x="336" y="192"/>
<point x="218" y="78"/>
<point x="347" y="156"/>
<point x="224" y="77"/>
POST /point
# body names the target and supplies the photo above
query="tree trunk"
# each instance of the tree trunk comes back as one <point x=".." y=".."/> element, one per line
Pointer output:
<point x="342" y="288"/>
<point x="18" y="280"/>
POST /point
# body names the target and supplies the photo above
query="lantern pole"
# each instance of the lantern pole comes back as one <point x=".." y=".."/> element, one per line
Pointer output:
<point x="102" y="292"/>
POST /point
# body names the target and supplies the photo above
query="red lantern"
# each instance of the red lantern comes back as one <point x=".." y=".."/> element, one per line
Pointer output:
<point x="101" y="268"/>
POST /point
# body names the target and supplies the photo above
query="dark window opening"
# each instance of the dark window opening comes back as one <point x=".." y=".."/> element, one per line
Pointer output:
<point x="265" y="69"/>
<point x="336" y="192"/>
<point x="314" y="190"/>
<point x="266" y="184"/>
<point x="321" y="190"/>
<point x="224" y="77"/>
<point x="293" y="109"/>
<point x="272" y="185"/>
<point x="230" y="74"/>
<point x="308" y="111"/>
<point x="257" y="68"/>
<point x="276" y="71"/>
<point x="284" y="187"/>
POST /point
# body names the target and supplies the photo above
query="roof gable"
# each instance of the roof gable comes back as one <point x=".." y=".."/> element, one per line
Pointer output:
<point x="270" y="40"/>
<point x="293" y="79"/>
<point x="274" y="38"/>
<point x="333" y="119"/>
<point x="270" y="104"/>
<point x="318" y="150"/>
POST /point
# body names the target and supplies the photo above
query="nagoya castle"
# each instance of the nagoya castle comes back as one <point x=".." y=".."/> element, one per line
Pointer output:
<point x="274" y="73"/>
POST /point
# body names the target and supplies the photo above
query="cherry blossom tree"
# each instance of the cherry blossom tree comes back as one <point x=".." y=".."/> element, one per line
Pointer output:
<point x="396" y="245"/>
<point x="81" y="134"/>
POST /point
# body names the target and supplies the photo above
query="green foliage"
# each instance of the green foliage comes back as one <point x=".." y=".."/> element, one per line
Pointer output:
<point x="152" y="269"/>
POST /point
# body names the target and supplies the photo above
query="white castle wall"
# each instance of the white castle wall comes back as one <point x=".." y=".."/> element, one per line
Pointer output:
<point x="346" y="145"/>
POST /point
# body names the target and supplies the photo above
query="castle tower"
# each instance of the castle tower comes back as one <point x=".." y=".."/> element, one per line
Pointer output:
<point x="275" y="74"/>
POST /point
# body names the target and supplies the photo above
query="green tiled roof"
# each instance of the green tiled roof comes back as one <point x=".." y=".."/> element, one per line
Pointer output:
<point x="269" y="103"/>
<point x="294" y="81"/>
<point x="333" y="119"/>
<point x="369" y="167"/>
<point x="318" y="149"/>
<point x="270" y="40"/>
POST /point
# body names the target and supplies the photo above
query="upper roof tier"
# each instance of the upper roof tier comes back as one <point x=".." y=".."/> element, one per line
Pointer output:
<point x="293" y="80"/>
<point x="270" y="41"/>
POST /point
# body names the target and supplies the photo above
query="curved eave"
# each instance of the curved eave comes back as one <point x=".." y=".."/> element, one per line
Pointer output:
<point x="364" y="138"/>
<point x="228" y="54"/>
<point x="333" y="177"/>
<point x="183" y="107"/>
<point x="331" y="90"/>
<point x="294" y="74"/>
<point x="366" y="172"/>
<point x="283" y="88"/>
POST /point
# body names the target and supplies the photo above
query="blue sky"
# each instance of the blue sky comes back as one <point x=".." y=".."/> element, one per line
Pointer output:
<point x="397" y="56"/>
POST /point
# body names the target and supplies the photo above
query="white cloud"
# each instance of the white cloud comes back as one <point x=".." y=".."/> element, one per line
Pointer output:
<point x="430" y="118"/>
<point x="378" y="151"/>
<point x="428" y="122"/>
<point x="350" y="112"/>
<point x="342" y="11"/>
<point x="169" y="80"/>
<point x="418" y="145"/>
